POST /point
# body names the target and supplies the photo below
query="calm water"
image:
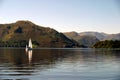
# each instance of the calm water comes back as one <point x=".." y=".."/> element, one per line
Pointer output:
<point x="60" y="64"/>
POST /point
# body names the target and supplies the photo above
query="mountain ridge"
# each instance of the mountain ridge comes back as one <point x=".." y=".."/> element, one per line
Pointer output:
<point x="99" y="35"/>
<point x="44" y="36"/>
<point x="89" y="38"/>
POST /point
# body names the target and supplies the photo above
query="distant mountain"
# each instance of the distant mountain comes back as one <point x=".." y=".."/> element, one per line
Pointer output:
<point x="101" y="36"/>
<point x="87" y="40"/>
<point x="19" y="33"/>
<point x="112" y="37"/>
<point x="90" y="38"/>
<point x="71" y="35"/>
<point x="98" y="35"/>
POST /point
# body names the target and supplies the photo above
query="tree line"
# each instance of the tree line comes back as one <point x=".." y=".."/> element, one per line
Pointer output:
<point x="19" y="43"/>
<point x="107" y="44"/>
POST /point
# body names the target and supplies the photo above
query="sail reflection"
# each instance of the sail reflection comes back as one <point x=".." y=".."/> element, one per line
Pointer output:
<point x="30" y="56"/>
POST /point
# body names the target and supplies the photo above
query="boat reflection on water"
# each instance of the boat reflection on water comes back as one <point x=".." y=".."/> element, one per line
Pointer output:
<point x="29" y="54"/>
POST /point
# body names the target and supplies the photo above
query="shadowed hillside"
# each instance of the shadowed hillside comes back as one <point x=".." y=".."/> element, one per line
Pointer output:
<point x="21" y="31"/>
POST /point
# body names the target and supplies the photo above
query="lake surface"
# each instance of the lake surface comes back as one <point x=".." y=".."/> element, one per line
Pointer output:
<point x="60" y="64"/>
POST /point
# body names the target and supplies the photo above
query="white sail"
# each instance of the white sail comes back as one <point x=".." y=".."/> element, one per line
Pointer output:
<point x="30" y="44"/>
<point x="29" y="47"/>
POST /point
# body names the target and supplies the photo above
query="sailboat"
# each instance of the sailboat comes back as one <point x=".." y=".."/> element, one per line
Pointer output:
<point x="29" y="47"/>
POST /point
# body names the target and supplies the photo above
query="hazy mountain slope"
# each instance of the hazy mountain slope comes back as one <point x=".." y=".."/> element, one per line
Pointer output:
<point x="23" y="30"/>
<point x="102" y="36"/>
<point x="71" y="35"/>
<point x="87" y="40"/>
<point x="98" y="35"/>
<point x="90" y="38"/>
<point x="113" y="37"/>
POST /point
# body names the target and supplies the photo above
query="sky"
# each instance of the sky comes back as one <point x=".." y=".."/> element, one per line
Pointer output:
<point x="65" y="15"/>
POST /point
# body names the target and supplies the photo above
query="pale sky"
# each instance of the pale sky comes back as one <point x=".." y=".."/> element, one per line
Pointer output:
<point x="65" y="15"/>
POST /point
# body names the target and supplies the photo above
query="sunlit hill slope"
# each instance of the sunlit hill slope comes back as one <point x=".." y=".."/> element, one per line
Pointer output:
<point x="14" y="33"/>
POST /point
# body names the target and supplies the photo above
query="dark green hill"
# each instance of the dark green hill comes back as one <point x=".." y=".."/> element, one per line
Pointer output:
<point x="17" y="35"/>
<point x="107" y="44"/>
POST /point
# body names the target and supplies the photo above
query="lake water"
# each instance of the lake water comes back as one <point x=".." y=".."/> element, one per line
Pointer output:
<point x="60" y="64"/>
